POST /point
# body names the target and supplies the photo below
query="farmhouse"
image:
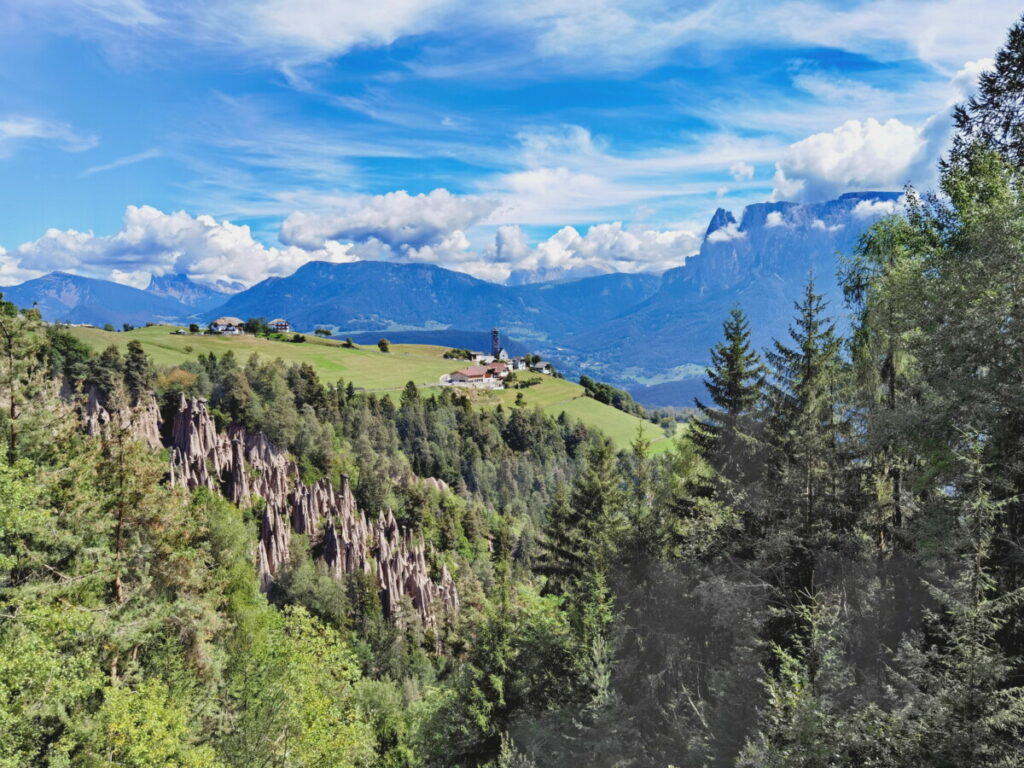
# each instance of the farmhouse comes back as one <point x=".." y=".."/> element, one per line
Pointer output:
<point x="477" y="376"/>
<point x="279" y="325"/>
<point x="230" y="326"/>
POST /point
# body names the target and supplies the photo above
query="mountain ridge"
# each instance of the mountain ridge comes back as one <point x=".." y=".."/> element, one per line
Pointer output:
<point x="648" y="333"/>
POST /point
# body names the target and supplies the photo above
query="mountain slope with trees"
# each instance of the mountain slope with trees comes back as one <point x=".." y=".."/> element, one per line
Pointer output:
<point x="824" y="572"/>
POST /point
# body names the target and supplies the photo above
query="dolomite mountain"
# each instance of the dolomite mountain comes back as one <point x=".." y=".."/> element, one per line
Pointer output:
<point x="648" y="333"/>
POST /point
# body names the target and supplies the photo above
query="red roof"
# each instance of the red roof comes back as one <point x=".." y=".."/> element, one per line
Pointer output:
<point x="473" y="372"/>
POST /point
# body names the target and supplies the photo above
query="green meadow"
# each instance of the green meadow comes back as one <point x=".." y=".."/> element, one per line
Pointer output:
<point x="372" y="370"/>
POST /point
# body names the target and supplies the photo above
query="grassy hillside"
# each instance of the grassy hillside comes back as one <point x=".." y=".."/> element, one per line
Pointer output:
<point x="369" y="368"/>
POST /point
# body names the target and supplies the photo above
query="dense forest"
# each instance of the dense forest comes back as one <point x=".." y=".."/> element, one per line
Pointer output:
<point x="826" y="570"/>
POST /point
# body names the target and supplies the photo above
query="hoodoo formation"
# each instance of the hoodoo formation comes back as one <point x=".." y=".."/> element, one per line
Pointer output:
<point x="244" y="466"/>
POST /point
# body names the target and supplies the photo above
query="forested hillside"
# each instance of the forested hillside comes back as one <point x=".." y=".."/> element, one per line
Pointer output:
<point x="826" y="570"/>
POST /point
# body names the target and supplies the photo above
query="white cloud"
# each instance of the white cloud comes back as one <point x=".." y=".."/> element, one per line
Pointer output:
<point x="604" y="248"/>
<point x="871" y="209"/>
<point x="774" y="219"/>
<point x="819" y="224"/>
<point x="598" y="36"/>
<point x="397" y="220"/>
<point x="151" y="242"/>
<point x="741" y="171"/>
<point x="855" y="156"/>
<point x="319" y="28"/>
<point x="120" y="162"/>
<point x="730" y="231"/>
<point x="12" y="272"/>
<point x="15" y="128"/>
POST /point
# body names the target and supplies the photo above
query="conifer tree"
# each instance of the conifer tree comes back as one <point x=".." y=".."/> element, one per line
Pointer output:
<point x="139" y="376"/>
<point x="994" y="116"/>
<point x="20" y="367"/>
<point x="805" y="420"/>
<point x="583" y="525"/>
<point x="726" y="435"/>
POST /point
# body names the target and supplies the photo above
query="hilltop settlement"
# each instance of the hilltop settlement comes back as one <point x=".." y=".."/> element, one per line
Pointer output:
<point x="494" y="370"/>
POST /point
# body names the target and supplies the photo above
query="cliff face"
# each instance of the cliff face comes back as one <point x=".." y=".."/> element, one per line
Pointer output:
<point x="243" y="466"/>
<point x="140" y="423"/>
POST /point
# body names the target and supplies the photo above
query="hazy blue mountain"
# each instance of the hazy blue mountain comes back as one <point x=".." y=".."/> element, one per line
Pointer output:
<point x="185" y="290"/>
<point x="385" y="296"/>
<point x="65" y="298"/>
<point x="552" y="274"/>
<point x="648" y="333"/>
<point x="760" y="262"/>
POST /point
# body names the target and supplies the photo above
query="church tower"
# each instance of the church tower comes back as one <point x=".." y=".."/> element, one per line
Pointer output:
<point x="495" y="342"/>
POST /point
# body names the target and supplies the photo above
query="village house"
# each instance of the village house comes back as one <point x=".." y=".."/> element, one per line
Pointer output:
<point x="477" y="376"/>
<point x="490" y="371"/>
<point x="541" y="367"/>
<point x="279" y="325"/>
<point x="229" y="326"/>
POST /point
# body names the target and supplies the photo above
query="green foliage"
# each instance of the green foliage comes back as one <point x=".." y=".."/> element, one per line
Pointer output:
<point x="257" y="326"/>
<point x="727" y="431"/>
<point x="606" y="393"/>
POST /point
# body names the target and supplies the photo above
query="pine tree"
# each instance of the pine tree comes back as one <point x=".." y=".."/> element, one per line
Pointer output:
<point x="21" y="369"/>
<point x="967" y="706"/>
<point x="805" y="419"/>
<point x="583" y="526"/>
<point x="876" y="282"/>
<point x="139" y="376"/>
<point x="994" y="116"/>
<point x="726" y="435"/>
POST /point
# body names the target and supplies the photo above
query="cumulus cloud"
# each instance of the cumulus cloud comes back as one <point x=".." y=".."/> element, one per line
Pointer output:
<point x="14" y="128"/>
<point x="871" y="154"/>
<point x="604" y="248"/>
<point x="856" y="155"/>
<point x="873" y="209"/>
<point x="741" y="171"/>
<point x="151" y="242"/>
<point x="774" y="219"/>
<point x="819" y="224"/>
<point x="397" y="220"/>
<point x="730" y="231"/>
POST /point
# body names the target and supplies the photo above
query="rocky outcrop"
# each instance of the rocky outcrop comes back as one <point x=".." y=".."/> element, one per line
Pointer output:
<point x="244" y="467"/>
<point x="141" y="422"/>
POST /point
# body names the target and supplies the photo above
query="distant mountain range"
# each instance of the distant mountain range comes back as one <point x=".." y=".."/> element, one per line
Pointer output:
<point x="648" y="333"/>
<point x="183" y="289"/>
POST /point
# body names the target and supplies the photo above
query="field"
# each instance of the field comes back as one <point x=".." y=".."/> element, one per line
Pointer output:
<point x="372" y="370"/>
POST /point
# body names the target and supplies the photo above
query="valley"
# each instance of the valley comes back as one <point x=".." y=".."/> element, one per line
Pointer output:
<point x="647" y="333"/>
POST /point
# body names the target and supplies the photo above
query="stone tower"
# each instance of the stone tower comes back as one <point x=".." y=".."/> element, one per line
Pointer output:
<point x="495" y="342"/>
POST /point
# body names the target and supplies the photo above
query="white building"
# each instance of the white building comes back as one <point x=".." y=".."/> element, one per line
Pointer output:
<point x="476" y="377"/>
<point x="229" y="326"/>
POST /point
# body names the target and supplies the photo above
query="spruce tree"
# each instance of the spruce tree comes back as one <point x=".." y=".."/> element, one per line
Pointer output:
<point x="994" y="116"/>
<point x="805" y="420"/>
<point x="583" y="525"/>
<point x="139" y="376"/>
<point x="726" y="433"/>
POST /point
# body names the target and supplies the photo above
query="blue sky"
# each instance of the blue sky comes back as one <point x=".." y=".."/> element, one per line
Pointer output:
<point x="235" y="140"/>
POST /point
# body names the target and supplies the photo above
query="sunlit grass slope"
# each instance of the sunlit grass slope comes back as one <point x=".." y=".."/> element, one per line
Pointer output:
<point x="370" y="369"/>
